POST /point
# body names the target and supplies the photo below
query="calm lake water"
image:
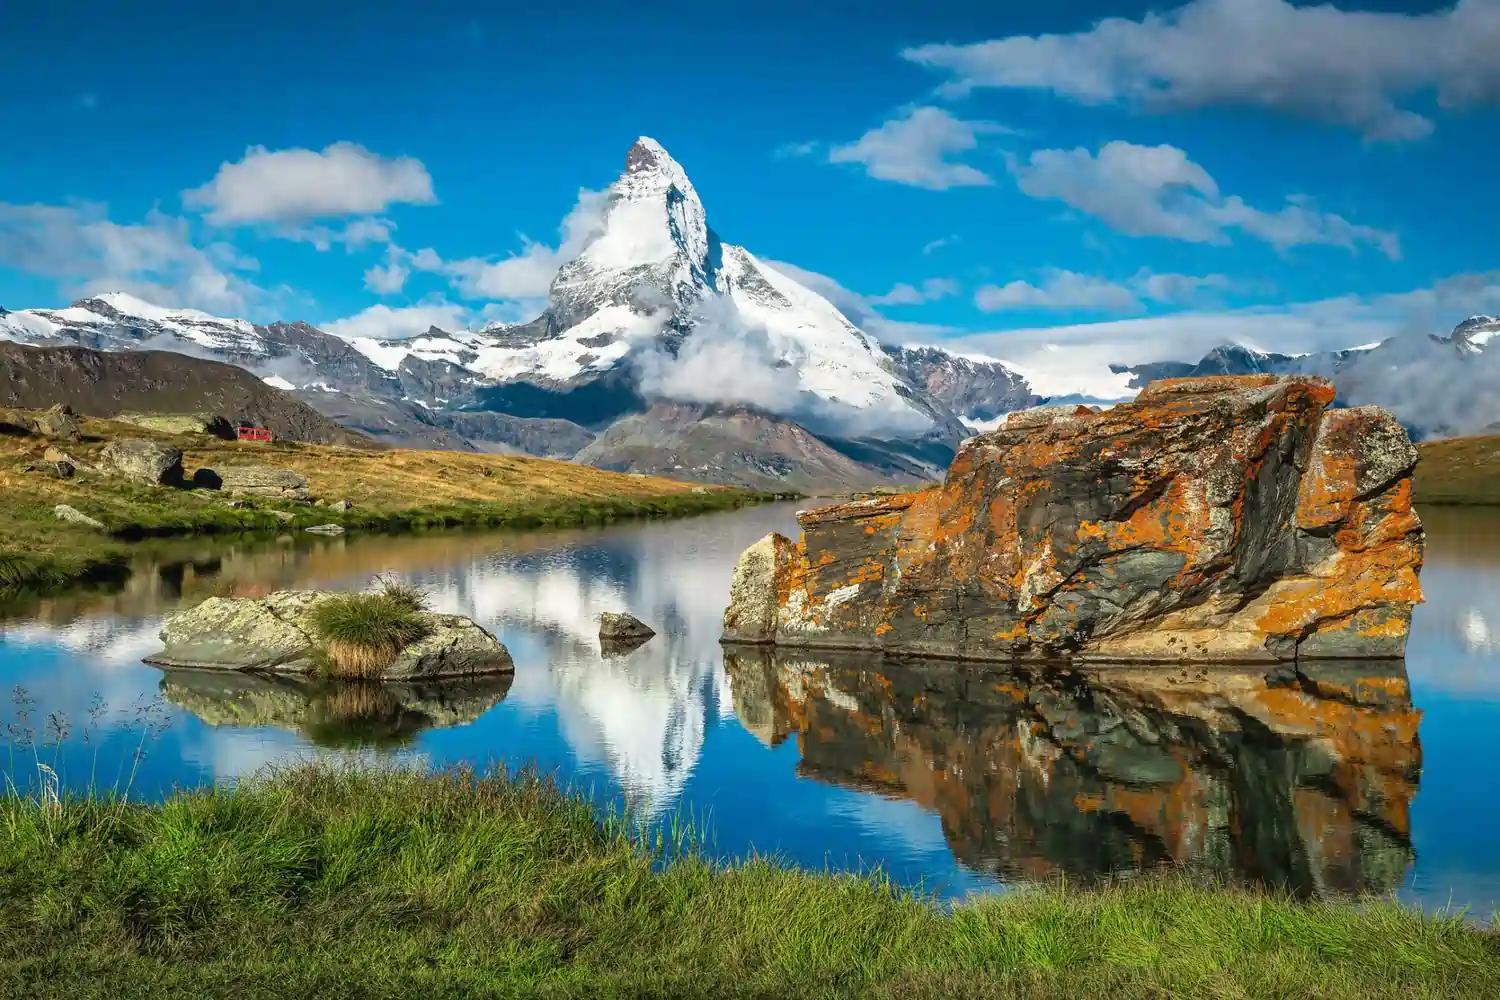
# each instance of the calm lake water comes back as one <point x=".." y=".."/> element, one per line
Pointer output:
<point x="1345" y="779"/>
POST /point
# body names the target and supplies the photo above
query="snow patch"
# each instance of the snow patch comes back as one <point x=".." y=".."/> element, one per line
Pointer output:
<point x="277" y="382"/>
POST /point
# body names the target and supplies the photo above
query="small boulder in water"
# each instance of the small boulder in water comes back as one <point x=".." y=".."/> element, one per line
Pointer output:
<point x="622" y="628"/>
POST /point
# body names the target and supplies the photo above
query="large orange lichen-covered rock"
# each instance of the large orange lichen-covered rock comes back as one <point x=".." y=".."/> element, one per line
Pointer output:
<point x="1226" y="518"/>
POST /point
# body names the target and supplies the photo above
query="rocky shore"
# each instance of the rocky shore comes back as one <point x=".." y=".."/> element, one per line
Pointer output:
<point x="1211" y="519"/>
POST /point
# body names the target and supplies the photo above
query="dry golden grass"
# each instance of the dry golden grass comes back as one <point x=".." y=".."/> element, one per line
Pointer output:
<point x="393" y="479"/>
<point x="1459" y="471"/>
<point x="392" y="490"/>
<point x="358" y="660"/>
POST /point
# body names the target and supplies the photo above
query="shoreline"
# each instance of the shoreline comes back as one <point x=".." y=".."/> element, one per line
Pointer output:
<point x="22" y="573"/>
<point x="344" y="882"/>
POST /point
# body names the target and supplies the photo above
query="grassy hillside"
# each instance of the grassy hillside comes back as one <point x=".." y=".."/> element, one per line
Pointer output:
<point x="108" y="383"/>
<point x="391" y="491"/>
<point x="1459" y="471"/>
<point x="395" y="884"/>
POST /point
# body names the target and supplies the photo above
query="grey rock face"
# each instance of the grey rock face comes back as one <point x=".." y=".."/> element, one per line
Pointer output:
<point x="57" y="422"/>
<point x="260" y="480"/>
<point x="275" y="634"/>
<point x="142" y="461"/>
<point x="75" y="516"/>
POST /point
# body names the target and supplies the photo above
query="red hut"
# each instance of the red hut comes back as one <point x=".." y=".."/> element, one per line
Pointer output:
<point x="248" y="433"/>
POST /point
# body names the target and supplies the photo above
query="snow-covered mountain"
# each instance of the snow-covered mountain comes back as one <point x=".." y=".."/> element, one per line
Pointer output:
<point x="655" y="308"/>
<point x="657" y="322"/>
<point x="1436" y="386"/>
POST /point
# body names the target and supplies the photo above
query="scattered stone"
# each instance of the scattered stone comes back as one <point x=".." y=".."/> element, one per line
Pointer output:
<point x="58" y="455"/>
<point x="179" y="423"/>
<point x="57" y="422"/>
<point x="259" y="480"/>
<point x="62" y="470"/>
<point x="142" y="461"/>
<point x="325" y="529"/>
<point x="282" y="515"/>
<point x="275" y="633"/>
<point x="320" y="503"/>
<point x="72" y="514"/>
<point x="238" y="504"/>
<point x="700" y="489"/>
<point x="623" y="628"/>
<point x="342" y="506"/>
<point x="1231" y="518"/>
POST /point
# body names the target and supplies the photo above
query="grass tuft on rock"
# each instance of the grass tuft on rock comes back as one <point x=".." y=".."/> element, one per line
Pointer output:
<point x="398" y="883"/>
<point x="363" y="633"/>
<point x="404" y="593"/>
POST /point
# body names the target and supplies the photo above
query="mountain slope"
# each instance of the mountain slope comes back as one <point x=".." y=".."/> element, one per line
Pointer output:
<point x="728" y="446"/>
<point x="1437" y="386"/>
<point x="104" y="384"/>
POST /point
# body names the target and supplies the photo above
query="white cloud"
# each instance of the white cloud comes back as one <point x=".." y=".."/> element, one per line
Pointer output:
<point x="389" y="278"/>
<point x="916" y="150"/>
<point x="156" y="259"/>
<point x="938" y="244"/>
<point x="1062" y="289"/>
<point x="1318" y="62"/>
<point x="381" y="322"/>
<point x="904" y="294"/>
<point x="860" y="309"/>
<point x="1158" y="191"/>
<point x="529" y="274"/>
<point x="1179" y="288"/>
<point x="299" y="185"/>
<point x="354" y="234"/>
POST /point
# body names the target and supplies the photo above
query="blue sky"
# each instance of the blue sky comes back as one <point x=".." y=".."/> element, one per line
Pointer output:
<point x="1006" y="177"/>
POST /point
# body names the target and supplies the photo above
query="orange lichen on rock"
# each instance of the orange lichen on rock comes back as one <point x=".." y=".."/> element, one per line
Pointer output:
<point x="1225" y="518"/>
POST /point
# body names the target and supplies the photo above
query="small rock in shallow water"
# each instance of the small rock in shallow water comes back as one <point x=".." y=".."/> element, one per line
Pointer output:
<point x="72" y="514"/>
<point x="277" y="633"/>
<point x="326" y="529"/>
<point x="623" y="628"/>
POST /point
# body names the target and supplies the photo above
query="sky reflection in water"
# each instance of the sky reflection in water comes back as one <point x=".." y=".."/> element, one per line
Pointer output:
<point x="958" y="780"/>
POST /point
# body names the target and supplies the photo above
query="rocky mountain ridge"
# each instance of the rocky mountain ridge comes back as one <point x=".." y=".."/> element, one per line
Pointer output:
<point x="658" y="317"/>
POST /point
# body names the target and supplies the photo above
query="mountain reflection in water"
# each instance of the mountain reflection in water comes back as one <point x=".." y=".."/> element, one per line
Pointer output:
<point x="1301" y="777"/>
<point x="944" y="776"/>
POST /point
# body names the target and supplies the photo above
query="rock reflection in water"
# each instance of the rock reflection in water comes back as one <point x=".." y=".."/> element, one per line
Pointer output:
<point x="332" y="714"/>
<point x="1301" y="778"/>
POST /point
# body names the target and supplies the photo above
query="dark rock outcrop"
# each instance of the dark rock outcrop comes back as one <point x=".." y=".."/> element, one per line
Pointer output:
<point x="1210" y="519"/>
<point x="623" y="628"/>
<point x="58" y="422"/>
<point x="1299" y="777"/>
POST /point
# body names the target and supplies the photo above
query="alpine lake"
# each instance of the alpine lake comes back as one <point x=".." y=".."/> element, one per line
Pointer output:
<point x="1344" y="781"/>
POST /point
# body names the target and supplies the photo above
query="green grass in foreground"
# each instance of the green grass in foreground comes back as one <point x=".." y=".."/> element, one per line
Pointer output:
<point x="357" y="884"/>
